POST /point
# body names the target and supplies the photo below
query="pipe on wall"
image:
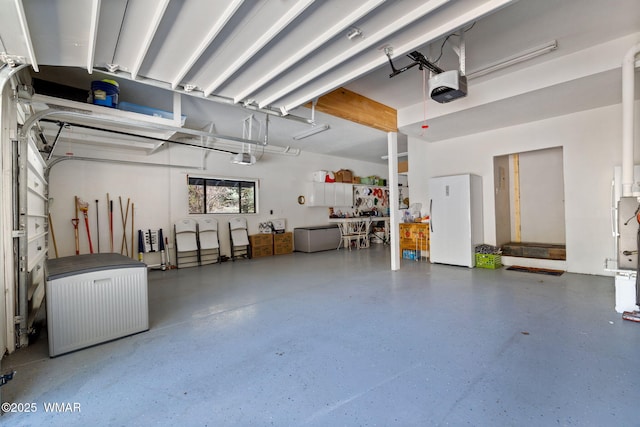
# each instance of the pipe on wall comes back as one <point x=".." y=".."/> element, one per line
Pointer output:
<point x="628" y="92"/>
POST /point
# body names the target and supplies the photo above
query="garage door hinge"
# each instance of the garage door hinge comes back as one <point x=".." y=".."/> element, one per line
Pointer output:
<point x="5" y="378"/>
<point x="16" y="234"/>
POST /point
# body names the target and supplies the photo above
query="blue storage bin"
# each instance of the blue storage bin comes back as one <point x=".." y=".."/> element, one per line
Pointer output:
<point x="141" y="109"/>
<point x="105" y="93"/>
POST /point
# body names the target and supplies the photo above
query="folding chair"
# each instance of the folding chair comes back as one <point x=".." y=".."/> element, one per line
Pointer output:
<point x="239" y="237"/>
<point x="208" y="239"/>
<point x="185" y="236"/>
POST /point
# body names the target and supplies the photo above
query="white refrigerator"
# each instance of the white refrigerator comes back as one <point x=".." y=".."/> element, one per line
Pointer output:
<point x="455" y="211"/>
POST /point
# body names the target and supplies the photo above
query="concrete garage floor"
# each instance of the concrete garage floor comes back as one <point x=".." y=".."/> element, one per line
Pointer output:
<point x="335" y="338"/>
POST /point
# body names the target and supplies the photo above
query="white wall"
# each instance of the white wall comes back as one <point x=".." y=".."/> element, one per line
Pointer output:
<point x="591" y="146"/>
<point x="160" y="193"/>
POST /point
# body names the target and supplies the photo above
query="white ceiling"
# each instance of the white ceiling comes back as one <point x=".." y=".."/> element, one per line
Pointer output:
<point x="277" y="55"/>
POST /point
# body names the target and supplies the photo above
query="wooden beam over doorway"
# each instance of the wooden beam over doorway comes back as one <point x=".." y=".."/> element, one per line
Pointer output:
<point x="516" y="198"/>
<point x="354" y="107"/>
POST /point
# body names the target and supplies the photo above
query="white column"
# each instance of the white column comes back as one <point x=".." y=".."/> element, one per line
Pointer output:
<point x="392" y="152"/>
<point x="628" y="92"/>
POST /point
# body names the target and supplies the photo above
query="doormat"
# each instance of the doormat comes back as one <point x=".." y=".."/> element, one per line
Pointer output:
<point x="536" y="270"/>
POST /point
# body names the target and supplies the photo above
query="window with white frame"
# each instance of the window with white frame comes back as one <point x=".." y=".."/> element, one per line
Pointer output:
<point x="222" y="196"/>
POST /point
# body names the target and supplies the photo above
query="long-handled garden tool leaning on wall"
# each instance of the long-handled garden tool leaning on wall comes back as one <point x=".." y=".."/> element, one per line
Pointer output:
<point x="75" y="222"/>
<point x="84" y="207"/>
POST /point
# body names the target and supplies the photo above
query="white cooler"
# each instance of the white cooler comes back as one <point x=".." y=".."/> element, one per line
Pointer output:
<point x="626" y="293"/>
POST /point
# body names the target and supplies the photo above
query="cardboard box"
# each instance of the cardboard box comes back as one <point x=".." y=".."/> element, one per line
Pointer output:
<point x="414" y="236"/>
<point x="403" y="166"/>
<point x="344" y="175"/>
<point x="259" y="240"/>
<point x="283" y="243"/>
<point x="261" y="251"/>
<point x="283" y="249"/>
<point x="284" y="238"/>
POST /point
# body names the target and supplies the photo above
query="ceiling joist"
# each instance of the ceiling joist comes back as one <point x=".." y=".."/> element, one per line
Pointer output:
<point x="93" y="34"/>
<point x="429" y="36"/>
<point x="148" y="38"/>
<point x="307" y="49"/>
<point x="365" y="43"/>
<point x="262" y="41"/>
<point x="204" y="44"/>
<point x="24" y="26"/>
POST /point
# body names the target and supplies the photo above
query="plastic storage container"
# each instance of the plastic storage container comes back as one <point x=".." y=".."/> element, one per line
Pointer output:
<point x="141" y="109"/>
<point x="104" y="92"/>
<point x="488" y="261"/>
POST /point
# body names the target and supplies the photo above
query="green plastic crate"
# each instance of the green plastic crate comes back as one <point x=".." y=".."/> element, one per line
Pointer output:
<point x="366" y="180"/>
<point x="488" y="261"/>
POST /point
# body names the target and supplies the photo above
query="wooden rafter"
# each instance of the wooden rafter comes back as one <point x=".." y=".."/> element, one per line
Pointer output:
<point x="351" y="106"/>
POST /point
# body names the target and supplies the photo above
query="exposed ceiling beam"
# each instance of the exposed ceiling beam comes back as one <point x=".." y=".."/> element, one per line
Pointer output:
<point x="242" y="59"/>
<point x="369" y="41"/>
<point x="93" y="34"/>
<point x="354" y="107"/>
<point x="211" y="35"/>
<point x="323" y="38"/>
<point x="434" y="34"/>
<point x="22" y="17"/>
<point x="148" y="38"/>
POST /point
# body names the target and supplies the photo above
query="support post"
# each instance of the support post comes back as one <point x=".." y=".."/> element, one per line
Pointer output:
<point x="392" y="152"/>
<point x="516" y="198"/>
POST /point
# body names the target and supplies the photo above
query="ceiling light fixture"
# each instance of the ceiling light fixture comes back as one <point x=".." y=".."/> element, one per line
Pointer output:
<point x="314" y="129"/>
<point x="515" y="59"/>
<point x="245" y="159"/>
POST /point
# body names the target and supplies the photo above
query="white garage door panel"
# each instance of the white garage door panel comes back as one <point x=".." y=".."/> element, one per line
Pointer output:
<point x="37" y="251"/>
<point x="35" y="225"/>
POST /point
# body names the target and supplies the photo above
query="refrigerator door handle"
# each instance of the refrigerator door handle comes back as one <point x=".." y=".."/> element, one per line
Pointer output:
<point x="431" y="214"/>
